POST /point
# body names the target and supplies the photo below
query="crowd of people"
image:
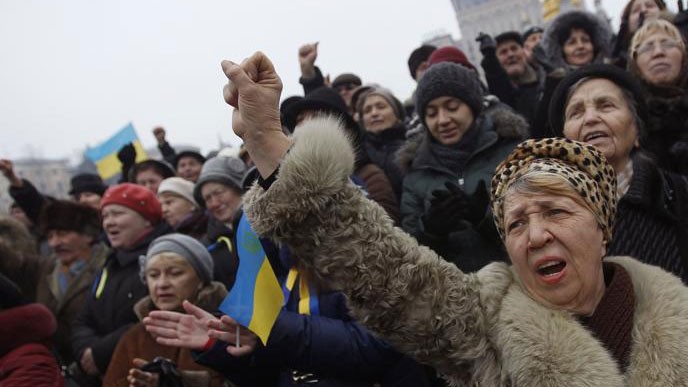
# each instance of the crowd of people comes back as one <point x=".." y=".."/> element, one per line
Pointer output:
<point x="525" y="228"/>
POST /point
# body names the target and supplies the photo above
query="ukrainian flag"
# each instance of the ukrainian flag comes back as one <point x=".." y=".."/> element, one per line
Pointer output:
<point x="256" y="298"/>
<point x="105" y="154"/>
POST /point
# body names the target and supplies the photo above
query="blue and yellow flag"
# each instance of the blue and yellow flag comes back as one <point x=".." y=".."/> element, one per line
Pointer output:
<point x="105" y="154"/>
<point x="256" y="297"/>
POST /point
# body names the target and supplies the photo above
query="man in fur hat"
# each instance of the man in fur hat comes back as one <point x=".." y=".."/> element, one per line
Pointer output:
<point x="72" y="230"/>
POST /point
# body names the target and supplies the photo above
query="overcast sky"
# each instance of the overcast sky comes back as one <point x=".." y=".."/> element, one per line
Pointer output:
<point x="75" y="71"/>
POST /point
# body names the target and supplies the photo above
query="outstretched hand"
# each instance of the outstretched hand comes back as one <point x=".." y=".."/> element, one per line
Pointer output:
<point x="178" y="329"/>
<point x="253" y="89"/>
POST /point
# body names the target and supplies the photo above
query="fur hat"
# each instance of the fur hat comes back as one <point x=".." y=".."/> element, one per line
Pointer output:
<point x="188" y="153"/>
<point x="186" y="247"/>
<point x="87" y="182"/>
<point x="623" y="79"/>
<point x="180" y="187"/>
<point x="449" y="79"/>
<point x="227" y="171"/>
<point x="387" y="95"/>
<point x="450" y="54"/>
<point x="322" y="99"/>
<point x="135" y="197"/>
<point x="66" y="215"/>
<point x="162" y="168"/>
<point x="418" y="56"/>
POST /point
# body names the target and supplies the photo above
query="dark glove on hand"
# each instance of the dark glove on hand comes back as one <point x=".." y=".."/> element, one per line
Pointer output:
<point x="445" y="212"/>
<point x="487" y="43"/>
<point x="478" y="203"/>
<point x="127" y="155"/>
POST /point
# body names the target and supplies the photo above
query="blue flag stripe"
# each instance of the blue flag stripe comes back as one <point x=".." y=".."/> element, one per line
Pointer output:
<point x="239" y="302"/>
<point x="113" y="144"/>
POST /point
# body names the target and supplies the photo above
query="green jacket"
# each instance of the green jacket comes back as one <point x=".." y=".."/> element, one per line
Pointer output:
<point x="500" y="130"/>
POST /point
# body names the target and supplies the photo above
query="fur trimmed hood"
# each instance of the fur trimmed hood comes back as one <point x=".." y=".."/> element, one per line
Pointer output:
<point x="496" y="117"/>
<point x="599" y="31"/>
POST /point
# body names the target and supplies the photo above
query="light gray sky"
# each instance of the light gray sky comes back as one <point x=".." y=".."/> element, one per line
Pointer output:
<point x="75" y="71"/>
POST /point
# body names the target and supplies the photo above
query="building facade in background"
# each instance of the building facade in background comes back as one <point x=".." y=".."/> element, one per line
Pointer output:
<point x="496" y="16"/>
<point x="50" y="177"/>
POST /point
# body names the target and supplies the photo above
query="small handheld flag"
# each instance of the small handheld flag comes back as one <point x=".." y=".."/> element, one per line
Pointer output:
<point x="256" y="297"/>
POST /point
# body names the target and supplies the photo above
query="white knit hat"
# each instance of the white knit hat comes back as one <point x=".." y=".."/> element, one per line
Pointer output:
<point x="180" y="187"/>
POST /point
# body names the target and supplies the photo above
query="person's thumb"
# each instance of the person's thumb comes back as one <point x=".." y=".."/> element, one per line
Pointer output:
<point x="138" y="362"/>
<point x="193" y="309"/>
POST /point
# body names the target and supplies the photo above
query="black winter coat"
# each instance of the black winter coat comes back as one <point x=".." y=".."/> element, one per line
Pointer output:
<point x="382" y="148"/>
<point x="652" y="219"/>
<point x="108" y="311"/>
<point x="221" y="245"/>
<point x="666" y="134"/>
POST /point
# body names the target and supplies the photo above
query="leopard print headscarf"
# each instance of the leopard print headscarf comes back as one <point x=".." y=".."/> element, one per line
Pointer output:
<point x="581" y="164"/>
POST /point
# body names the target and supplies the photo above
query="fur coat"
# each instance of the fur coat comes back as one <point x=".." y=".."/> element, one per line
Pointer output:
<point x="477" y="329"/>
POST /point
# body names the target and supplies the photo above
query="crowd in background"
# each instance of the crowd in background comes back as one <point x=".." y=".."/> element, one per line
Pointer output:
<point x="81" y="280"/>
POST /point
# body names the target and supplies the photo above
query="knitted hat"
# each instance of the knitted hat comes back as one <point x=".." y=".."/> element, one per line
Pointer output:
<point x="450" y="54"/>
<point x="346" y="78"/>
<point x="188" y="153"/>
<point x="228" y="171"/>
<point x="180" y="187"/>
<point x="621" y="78"/>
<point x="449" y="79"/>
<point x="322" y="99"/>
<point x="67" y="215"/>
<point x="134" y="197"/>
<point x="186" y="247"/>
<point x="87" y="182"/>
<point x="418" y="56"/>
<point x="162" y="168"/>
<point x="509" y="36"/>
<point x="387" y="95"/>
<point x="582" y="165"/>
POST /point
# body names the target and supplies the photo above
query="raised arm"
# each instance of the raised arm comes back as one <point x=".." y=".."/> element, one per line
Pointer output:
<point x="423" y="305"/>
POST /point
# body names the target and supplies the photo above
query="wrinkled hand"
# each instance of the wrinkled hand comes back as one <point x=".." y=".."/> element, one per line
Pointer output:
<point x="7" y="169"/>
<point x="127" y="155"/>
<point x="308" y="53"/>
<point x="253" y="90"/>
<point x="445" y="212"/>
<point x="487" y="43"/>
<point x="139" y="378"/>
<point x="225" y="330"/>
<point x="88" y="364"/>
<point x="178" y="329"/>
<point x="159" y="133"/>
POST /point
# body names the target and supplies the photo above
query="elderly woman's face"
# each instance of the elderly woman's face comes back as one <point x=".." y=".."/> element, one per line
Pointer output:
<point x="556" y="248"/>
<point x="378" y="114"/>
<point x="171" y="280"/>
<point x="659" y="59"/>
<point x="597" y="113"/>
<point x="448" y="119"/>
<point x="174" y="208"/>
<point x="578" y="48"/>
<point x="123" y="226"/>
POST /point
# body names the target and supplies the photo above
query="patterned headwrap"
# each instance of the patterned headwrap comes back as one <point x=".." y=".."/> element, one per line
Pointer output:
<point x="580" y="164"/>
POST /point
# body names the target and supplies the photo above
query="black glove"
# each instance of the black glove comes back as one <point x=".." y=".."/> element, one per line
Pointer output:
<point x="169" y="375"/>
<point x="487" y="43"/>
<point x="477" y="204"/>
<point x="445" y="212"/>
<point x="127" y="155"/>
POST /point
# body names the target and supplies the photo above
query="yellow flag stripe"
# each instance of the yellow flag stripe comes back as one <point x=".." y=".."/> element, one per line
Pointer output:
<point x="267" y="302"/>
<point x="110" y="165"/>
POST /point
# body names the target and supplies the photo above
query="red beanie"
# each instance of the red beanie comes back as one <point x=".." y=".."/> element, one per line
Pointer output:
<point x="450" y="54"/>
<point x="135" y="197"/>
